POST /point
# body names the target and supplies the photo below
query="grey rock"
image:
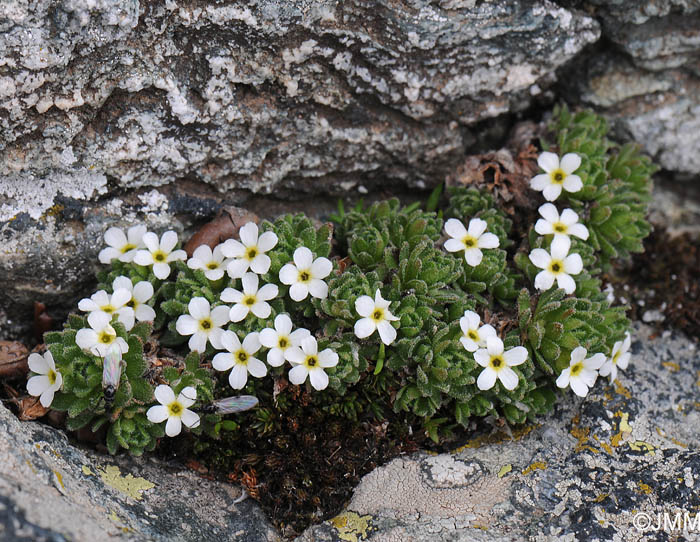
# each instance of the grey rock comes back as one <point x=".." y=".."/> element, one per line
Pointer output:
<point x="52" y="490"/>
<point x="579" y="474"/>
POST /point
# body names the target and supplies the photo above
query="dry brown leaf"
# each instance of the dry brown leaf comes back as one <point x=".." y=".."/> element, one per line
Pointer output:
<point x="30" y="408"/>
<point x="224" y="226"/>
<point x="13" y="360"/>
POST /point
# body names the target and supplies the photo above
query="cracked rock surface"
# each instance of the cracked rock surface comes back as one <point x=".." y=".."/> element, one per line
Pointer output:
<point x="579" y="474"/>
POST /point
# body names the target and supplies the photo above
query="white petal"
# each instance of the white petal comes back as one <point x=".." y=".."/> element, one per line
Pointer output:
<point x="86" y="338"/>
<point x="250" y="283"/>
<point x="238" y="377"/>
<point x="486" y="331"/>
<point x="299" y="335"/>
<point x="549" y="212"/>
<point x="238" y="312"/>
<point x="560" y="247"/>
<point x="295" y="355"/>
<point x="298" y="375"/>
<point x="215" y="337"/>
<point x="150" y="240"/>
<point x="99" y="320"/>
<point x="143" y="258"/>
<point x="157" y="414"/>
<point x="198" y="342"/>
<point x="563" y="378"/>
<point x="327" y="358"/>
<point x="115" y="237"/>
<point x="47" y="397"/>
<point x="606" y="368"/>
<point x="223" y="361"/>
<point x="232" y="248"/>
<point x="321" y="268"/>
<point x="136" y="234"/>
<point x="219" y="315"/>
<point x="289" y="274"/>
<point x="203" y="253"/>
<point x="267" y="292"/>
<point x="318" y="378"/>
<point x="552" y="191"/>
<point x="164" y="394"/>
<point x="570" y="162"/>
<point x="455" y="228"/>
<point x="186" y="325"/>
<point x="38" y="364"/>
<point x="488" y="240"/>
<point x="579" y="230"/>
<point x="261" y="309"/>
<point x="173" y="426"/>
<point x="168" y="241"/>
<point x="230" y="295"/>
<point x="267" y="241"/>
<point x="37" y="385"/>
<point x="544" y="280"/>
<point x="127" y="317"/>
<point x="303" y="258"/>
<point x="565" y="282"/>
<point x="143" y="291"/>
<point x="494" y="346"/>
<point x="275" y="357"/>
<point x="199" y="308"/>
<point x="543" y="227"/>
<point x="364" y="305"/>
<point x="230" y="341"/>
<point x="251" y="343"/>
<point x="508" y="378"/>
<point x="260" y="264"/>
<point x="486" y="379"/>
<point x="515" y="356"/>
<point x="190" y="419"/>
<point x="540" y="258"/>
<point x="283" y="324"/>
<point x="473" y="256"/>
<point x="268" y="337"/>
<point x="578" y="354"/>
<point x="594" y="362"/>
<point x="256" y="368"/>
<point x="318" y="288"/>
<point x="588" y="377"/>
<point x="469" y="345"/>
<point x="237" y="268"/>
<point x="249" y="234"/>
<point x="364" y="327"/>
<point x="578" y="387"/>
<point x="100" y="298"/>
<point x="573" y="264"/>
<point x="624" y="360"/>
<point x="214" y="274"/>
<point x="161" y="270"/>
<point x="540" y="182"/>
<point x="176" y="255"/>
<point x="108" y="254"/>
<point x="309" y="346"/>
<point x="187" y="396"/>
<point x="477" y="227"/>
<point x="453" y="245"/>
<point x="386" y="332"/>
<point x="298" y="291"/>
<point x="573" y="183"/>
<point x="548" y="161"/>
<point x="482" y="357"/>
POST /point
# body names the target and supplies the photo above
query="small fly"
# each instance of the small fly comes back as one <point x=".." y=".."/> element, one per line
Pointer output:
<point x="111" y="374"/>
<point x="231" y="405"/>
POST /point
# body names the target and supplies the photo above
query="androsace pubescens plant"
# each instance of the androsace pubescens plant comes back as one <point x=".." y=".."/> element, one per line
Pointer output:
<point x="436" y="316"/>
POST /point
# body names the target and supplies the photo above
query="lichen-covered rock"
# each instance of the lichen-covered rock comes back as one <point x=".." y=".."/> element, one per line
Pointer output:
<point x="581" y="474"/>
<point x="52" y="490"/>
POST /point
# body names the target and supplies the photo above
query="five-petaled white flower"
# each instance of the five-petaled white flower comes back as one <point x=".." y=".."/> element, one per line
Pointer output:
<point x="203" y="323"/>
<point x="174" y="409"/>
<point x="306" y="275"/>
<point x="375" y="316"/>
<point x="560" y="265"/>
<point x="250" y="299"/>
<point x="620" y="357"/>
<point x="140" y="293"/>
<point x="100" y="335"/>
<point x="48" y="379"/>
<point x="474" y="336"/>
<point x="308" y="361"/>
<point x="471" y="240"/>
<point x="497" y="364"/>
<point x="212" y="262"/>
<point x="558" y="175"/>
<point x="239" y="358"/>
<point x="280" y="339"/>
<point x="582" y="372"/>
<point x="249" y="252"/>
<point x="560" y="226"/>
<point x="121" y="246"/>
<point x="159" y="254"/>
<point x="113" y="304"/>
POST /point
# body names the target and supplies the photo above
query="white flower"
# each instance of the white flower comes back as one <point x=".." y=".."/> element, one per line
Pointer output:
<point x="240" y="358"/>
<point x="123" y="247"/>
<point x="558" y="175"/>
<point x="249" y="252"/>
<point x="498" y="364"/>
<point x="474" y="337"/>
<point x="159" y="253"/>
<point x="306" y="275"/>
<point x="211" y="262"/>
<point x="620" y="357"/>
<point x="308" y="361"/>
<point x="250" y="299"/>
<point x="203" y="323"/>
<point x="110" y="305"/>
<point x="581" y="373"/>
<point x="142" y="292"/>
<point x="561" y="226"/>
<point x="174" y="410"/>
<point x="47" y="380"/>
<point x="376" y="316"/>
<point x="100" y="335"/>
<point x="471" y="240"/>
<point x="280" y="339"/>
<point x="557" y="266"/>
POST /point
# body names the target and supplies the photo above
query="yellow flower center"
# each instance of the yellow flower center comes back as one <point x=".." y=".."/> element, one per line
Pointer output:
<point x="249" y="300"/>
<point x="212" y="265"/>
<point x="560" y="227"/>
<point x="304" y="276"/>
<point x="159" y="256"/>
<point x="616" y="356"/>
<point x="283" y="342"/>
<point x="556" y="266"/>
<point x="242" y="357"/>
<point x="576" y="369"/>
<point x="378" y="315"/>
<point x="469" y="241"/>
<point x="497" y="363"/>
<point x="132" y="303"/>
<point x="175" y="409"/>
<point x="109" y="309"/>
<point x="473" y="335"/>
<point x="558" y="176"/>
<point x="126" y="248"/>
<point x="105" y="337"/>
<point x="251" y="253"/>
<point x="52" y="377"/>
<point x="205" y="324"/>
<point x="311" y="362"/>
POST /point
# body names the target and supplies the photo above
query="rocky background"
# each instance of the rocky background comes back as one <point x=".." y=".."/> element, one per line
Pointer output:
<point x="162" y="111"/>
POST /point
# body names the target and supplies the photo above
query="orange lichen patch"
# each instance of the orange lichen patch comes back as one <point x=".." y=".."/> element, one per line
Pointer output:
<point x="641" y="446"/>
<point x="496" y="438"/>
<point x="621" y="390"/>
<point x="671" y="366"/>
<point x="537" y="465"/>
<point x="675" y="441"/>
<point x="644" y="488"/>
<point x="582" y="434"/>
<point x="623" y="426"/>
<point x="604" y="445"/>
<point x="601" y="497"/>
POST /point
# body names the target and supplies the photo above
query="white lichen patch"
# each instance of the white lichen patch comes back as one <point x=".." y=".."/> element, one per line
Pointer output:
<point x="447" y="471"/>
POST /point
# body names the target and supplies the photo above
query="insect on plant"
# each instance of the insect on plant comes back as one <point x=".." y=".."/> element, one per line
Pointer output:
<point x="231" y="405"/>
<point x="111" y="373"/>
